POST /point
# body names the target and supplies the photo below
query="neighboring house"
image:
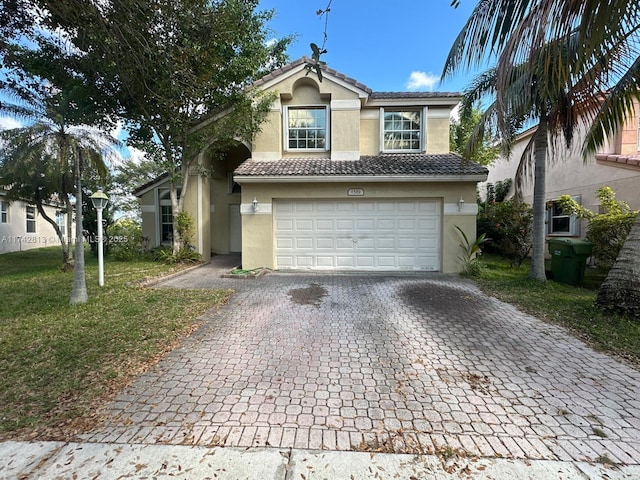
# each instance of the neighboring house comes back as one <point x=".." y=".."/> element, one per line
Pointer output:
<point x="23" y="228"/>
<point x="568" y="172"/>
<point x="339" y="178"/>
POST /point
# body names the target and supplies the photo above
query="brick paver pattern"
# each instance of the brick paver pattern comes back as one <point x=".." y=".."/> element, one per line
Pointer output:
<point x="406" y="363"/>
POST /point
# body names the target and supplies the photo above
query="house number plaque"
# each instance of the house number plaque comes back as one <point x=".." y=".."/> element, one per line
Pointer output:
<point x="355" y="192"/>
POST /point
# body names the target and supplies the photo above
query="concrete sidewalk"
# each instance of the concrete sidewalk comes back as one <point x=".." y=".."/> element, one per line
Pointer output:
<point x="58" y="460"/>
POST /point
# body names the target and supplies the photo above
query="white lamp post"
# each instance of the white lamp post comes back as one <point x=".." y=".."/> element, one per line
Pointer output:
<point x="100" y="200"/>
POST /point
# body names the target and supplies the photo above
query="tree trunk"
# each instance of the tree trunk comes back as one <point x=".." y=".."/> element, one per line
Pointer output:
<point x="79" y="293"/>
<point x="539" y="191"/>
<point x="60" y="234"/>
<point x="621" y="289"/>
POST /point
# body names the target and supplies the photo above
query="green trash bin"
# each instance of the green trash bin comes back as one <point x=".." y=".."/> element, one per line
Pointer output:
<point x="569" y="259"/>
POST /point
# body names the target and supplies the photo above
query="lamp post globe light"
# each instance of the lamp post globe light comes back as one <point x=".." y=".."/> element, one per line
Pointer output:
<point x="100" y="200"/>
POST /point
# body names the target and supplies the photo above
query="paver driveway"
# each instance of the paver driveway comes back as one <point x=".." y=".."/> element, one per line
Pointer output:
<point x="405" y="363"/>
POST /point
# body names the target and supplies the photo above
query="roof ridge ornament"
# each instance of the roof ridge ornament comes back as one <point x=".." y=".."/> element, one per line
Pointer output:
<point x="315" y="63"/>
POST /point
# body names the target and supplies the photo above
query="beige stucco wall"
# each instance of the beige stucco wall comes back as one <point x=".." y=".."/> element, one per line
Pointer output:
<point x="221" y="198"/>
<point x="258" y="234"/>
<point x="150" y="212"/>
<point x="13" y="233"/>
<point x="569" y="173"/>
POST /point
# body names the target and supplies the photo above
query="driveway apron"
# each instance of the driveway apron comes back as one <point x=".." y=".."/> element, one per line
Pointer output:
<point x="392" y="363"/>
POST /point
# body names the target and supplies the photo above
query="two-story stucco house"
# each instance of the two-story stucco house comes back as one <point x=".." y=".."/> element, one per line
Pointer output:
<point x="568" y="172"/>
<point x="339" y="178"/>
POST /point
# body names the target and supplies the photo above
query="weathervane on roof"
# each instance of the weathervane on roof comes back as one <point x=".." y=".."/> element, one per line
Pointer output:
<point x="315" y="63"/>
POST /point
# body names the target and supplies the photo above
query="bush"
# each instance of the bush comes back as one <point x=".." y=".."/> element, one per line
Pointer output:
<point x="471" y="266"/>
<point x="125" y="239"/>
<point x="508" y="226"/>
<point x="608" y="230"/>
<point x="186" y="252"/>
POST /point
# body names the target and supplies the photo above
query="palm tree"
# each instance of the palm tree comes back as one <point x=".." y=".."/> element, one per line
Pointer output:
<point x="574" y="51"/>
<point x="54" y="155"/>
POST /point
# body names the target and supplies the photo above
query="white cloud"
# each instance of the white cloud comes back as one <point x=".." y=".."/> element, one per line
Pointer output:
<point x="7" y="123"/>
<point x="135" y="155"/>
<point x="422" y="81"/>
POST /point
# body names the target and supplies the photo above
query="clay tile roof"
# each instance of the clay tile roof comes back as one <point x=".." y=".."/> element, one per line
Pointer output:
<point x="397" y="95"/>
<point x="370" y="165"/>
<point x="619" y="160"/>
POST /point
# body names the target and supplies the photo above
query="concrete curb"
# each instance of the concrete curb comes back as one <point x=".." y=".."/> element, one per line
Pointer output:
<point x="155" y="280"/>
<point x="59" y="460"/>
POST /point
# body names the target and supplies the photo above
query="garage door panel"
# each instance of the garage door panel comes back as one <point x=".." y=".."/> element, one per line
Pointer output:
<point x="365" y="224"/>
<point x="343" y="262"/>
<point x="284" y="225"/>
<point x="407" y="224"/>
<point x="367" y="243"/>
<point x="386" y="224"/>
<point x="325" y="261"/>
<point x="386" y="243"/>
<point x="304" y="225"/>
<point x="325" y="243"/>
<point x="345" y="225"/>
<point x="304" y="243"/>
<point x="344" y="243"/>
<point x="387" y="234"/>
<point x="325" y="225"/>
<point x="284" y="243"/>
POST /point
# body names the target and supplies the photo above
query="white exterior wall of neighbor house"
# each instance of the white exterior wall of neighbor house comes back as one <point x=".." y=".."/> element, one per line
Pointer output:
<point x="569" y="173"/>
<point x="14" y="236"/>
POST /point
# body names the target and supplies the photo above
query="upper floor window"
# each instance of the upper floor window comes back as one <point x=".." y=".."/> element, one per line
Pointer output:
<point x="402" y="130"/>
<point x="4" y="212"/>
<point x="307" y="128"/>
<point x="31" y="219"/>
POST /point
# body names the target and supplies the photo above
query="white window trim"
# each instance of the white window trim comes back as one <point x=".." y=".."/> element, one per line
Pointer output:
<point x="574" y="223"/>
<point x="423" y="128"/>
<point x="35" y="219"/>
<point x="327" y="139"/>
<point x="4" y="211"/>
<point x="163" y="202"/>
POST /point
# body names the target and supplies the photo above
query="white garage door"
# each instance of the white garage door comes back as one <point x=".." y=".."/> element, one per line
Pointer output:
<point x="394" y="234"/>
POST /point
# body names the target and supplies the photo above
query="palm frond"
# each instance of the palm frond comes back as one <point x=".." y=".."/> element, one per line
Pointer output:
<point x="616" y="108"/>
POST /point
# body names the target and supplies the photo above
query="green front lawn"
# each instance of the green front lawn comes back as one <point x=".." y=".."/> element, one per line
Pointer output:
<point x="572" y="307"/>
<point x="58" y="361"/>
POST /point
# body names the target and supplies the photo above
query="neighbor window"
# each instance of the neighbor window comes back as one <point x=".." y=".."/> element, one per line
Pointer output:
<point x="402" y="130"/>
<point x="559" y="222"/>
<point x="60" y="220"/>
<point x="31" y="219"/>
<point x="166" y="215"/>
<point x="307" y="128"/>
<point x="166" y="222"/>
<point x="4" y="212"/>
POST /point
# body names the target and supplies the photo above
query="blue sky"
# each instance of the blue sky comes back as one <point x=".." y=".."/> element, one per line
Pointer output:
<point x="391" y="45"/>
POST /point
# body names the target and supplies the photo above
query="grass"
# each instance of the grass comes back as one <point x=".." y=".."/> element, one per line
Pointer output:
<point x="570" y="306"/>
<point x="59" y="362"/>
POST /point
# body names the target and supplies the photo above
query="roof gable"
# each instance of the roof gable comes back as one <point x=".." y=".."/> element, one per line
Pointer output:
<point x="294" y="68"/>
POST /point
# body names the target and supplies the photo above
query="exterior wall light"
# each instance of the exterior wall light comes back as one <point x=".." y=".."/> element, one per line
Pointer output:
<point x="255" y="204"/>
<point x="460" y="204"/>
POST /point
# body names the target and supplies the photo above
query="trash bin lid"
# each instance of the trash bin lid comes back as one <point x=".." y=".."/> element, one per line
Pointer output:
<point x="578" y="246"/>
